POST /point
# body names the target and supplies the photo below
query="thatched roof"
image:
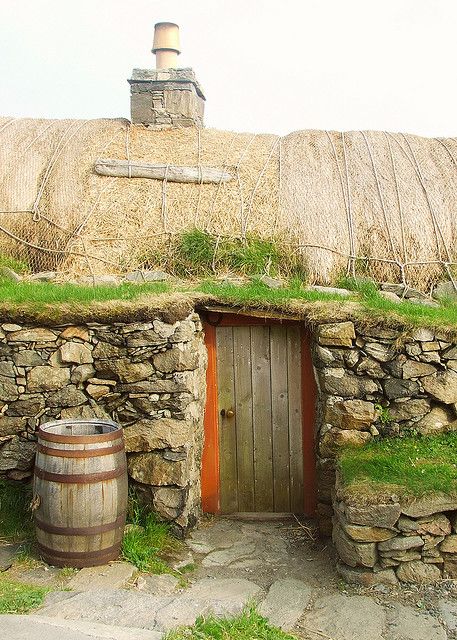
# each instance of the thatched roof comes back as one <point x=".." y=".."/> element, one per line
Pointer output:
<point x="375" y="203"/>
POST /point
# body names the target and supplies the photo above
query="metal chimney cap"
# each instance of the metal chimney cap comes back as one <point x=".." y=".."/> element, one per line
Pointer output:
<point x="166" y="36"/>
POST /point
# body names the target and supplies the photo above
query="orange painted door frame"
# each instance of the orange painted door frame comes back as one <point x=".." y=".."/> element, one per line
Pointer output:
<point x="210" y="481"/>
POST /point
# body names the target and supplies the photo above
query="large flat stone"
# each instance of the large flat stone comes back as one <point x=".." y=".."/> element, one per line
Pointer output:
<point x="350" y="414"/>
<point x="220" y="535"/>
<point x="147" y="435"/>
<point x="158" y="585"/>
<point x="448" y="611"/>
<point x="428" y="504"/>
<point x="335" y="439"/>
<point x="226" y="557"/>
<point x="401" y="543"/>
<point x="351" y="552"/>
<point x="225" y="597"/>
<point x="442" y="386"/>
<point x="181" y="613"/>
<point x="118" y="607"/>
<point x="373" y="515"/>
<point x="359" y="533"/>
<point x="341" y="617"/>
<point x="285" y="603"/>
<point x="339" y="334"/>
<point x="152" y="468"/>
<point x="32" y="335"/>
<point x="47" y="379"/>
<point x="435" y="422"/>
<point x="406" y="623"/>
<point x="108" y="576"/>
<point x="366" y="578"/>
<point x="338" y="382"/>
<point x="37" y="628"/>
<point x="418" y="571"/>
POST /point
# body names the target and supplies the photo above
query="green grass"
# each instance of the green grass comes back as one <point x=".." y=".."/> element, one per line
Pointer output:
<point x="38" y="293"/>
<point x="16" y="597"/>
<point x="249" y="625"/>
<point x="412" y="465"/>
<point x="16" y="523"/>
<point x="415" y="314"/>
<point x="36" y="297"/>
<point x="147" y="541"/>
<point x="257" y="291"/>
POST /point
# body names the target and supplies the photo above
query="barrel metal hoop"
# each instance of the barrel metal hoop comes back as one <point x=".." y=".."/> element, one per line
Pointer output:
<point x="100" y="437"/>
<point x="80" y="453"/>
<point x="80" y="531"/>
<point x="80" y="478"/>
<point x="55" y="553"/>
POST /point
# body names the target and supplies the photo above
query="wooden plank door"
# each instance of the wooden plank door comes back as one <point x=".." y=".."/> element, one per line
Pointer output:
<point x="260" y="418"/>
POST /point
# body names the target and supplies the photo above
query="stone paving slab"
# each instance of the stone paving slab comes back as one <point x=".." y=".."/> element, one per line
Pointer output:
<point x="108" y="576"/>
<point x="224" y="557"/>
<point x="16" y="627"/>
<point x="405" y="623"/>
<point x="119" y="607"/>
<point x="225" y="597"/>
<point x="181" y="613"/>
<point x="448" y="611"/>
<point x="343" y="617"/>
<point x="158" y="585"/>
<point x="285" y="603"/>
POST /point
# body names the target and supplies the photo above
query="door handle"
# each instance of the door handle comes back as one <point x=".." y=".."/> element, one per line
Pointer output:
<point x="229" y="413"/>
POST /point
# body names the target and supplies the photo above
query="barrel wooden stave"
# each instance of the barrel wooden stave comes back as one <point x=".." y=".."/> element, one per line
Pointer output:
<point x="80" y="523"/>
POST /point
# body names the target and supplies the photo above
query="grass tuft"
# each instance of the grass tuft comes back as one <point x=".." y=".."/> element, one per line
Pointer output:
<point x="146" y="540"/>
<point x="19" y="266"/>
<point x="413" y="465"/>
<point x="249" y="625"/>
<point x="16" y="597"/>
<point x="195" y="252"/>
<point x="16" y="523"/>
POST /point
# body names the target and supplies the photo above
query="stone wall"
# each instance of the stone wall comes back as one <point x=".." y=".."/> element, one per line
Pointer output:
<point x="148" y="376"/>
<point x="393" y="540"/>
<point x="377" y="381"/>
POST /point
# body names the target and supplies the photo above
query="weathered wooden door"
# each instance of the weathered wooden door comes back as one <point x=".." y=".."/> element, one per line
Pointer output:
<point x="260" y="418"/>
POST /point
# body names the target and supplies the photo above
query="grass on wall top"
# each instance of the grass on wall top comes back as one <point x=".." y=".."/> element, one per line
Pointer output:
<point x="408" y="466"/>
<point x="41" y="300"/>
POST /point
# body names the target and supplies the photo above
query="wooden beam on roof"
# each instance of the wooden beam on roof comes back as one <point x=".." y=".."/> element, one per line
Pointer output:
<point x="169" y="172"/>
<point x="252" y="313"/>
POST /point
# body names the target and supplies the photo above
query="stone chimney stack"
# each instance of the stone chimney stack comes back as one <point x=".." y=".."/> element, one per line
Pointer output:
<point x="166" y="96"/>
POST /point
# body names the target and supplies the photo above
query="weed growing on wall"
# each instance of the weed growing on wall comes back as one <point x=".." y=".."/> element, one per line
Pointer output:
<point x="8" y="262"/>
<point x="146" y="540"/>
<point x="16" y="524"/>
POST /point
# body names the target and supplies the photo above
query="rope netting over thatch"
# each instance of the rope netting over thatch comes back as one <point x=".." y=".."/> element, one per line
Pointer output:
<point x="361" y="203"/>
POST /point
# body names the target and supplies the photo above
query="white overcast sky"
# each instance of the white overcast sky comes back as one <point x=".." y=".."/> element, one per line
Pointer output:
<point x="265" y="65"/>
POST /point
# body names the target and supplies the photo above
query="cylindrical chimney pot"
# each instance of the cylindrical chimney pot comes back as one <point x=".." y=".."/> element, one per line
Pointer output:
<point x="166" y="46"/>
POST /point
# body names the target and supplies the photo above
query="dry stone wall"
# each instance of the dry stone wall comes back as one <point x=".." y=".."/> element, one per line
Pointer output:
<point x="148" y="376"/>
<point x="395" y="540"/>
<point x="377" y="381"/>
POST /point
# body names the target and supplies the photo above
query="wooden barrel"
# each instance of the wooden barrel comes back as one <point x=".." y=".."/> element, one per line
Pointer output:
<point x="80" y="492"/>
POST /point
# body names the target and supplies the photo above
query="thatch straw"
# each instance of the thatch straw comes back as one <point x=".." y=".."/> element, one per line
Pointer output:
<point x="369" y="203"/>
